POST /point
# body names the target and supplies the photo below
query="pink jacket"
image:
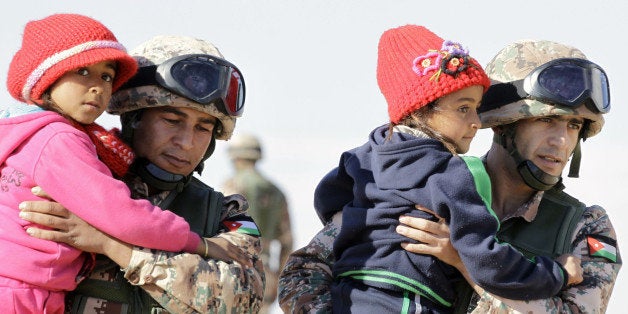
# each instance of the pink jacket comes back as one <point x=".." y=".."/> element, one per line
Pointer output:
<point x="44" y="149"/>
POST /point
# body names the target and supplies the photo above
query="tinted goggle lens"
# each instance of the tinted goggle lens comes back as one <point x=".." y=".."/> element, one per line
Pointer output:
<point x="205" y="79"/>
<point x="571" y="84"/>
<point x="198" y="79"/>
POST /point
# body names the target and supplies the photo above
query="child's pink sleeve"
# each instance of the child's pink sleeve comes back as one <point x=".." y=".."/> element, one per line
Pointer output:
<point x="69" y="171"/>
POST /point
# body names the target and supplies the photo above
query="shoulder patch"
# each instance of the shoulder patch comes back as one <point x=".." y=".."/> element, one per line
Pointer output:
<point x="604" y="247"/>
<point x="242" y="224"/>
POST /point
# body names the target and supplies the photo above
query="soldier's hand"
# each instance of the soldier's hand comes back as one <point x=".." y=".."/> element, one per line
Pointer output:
<point x="64" y="226"/>
<point x="221" y="249"/>
<point x="433" y="237"/>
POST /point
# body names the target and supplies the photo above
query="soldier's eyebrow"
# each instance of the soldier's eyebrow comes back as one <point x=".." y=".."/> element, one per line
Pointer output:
<point x="208" y="119"/>
<point x="570" y="119"/>
<point x="174" y="111"/>
<point x="203" y="120"/>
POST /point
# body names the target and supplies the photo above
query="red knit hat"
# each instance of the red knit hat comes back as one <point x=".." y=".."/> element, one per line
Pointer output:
<point x="57" y="44"/>
<point x="416" y="67"/>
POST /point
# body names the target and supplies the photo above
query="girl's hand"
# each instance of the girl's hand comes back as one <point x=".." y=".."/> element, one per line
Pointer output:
<point x="221" y="249"/>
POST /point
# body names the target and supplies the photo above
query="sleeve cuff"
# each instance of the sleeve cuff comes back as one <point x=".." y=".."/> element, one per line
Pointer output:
<point x="140" y="267"/>
<point x="192" y="243"/>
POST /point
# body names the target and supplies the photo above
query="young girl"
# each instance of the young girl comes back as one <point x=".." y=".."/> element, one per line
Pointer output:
<point x="433" y="89"/>
<point x="64" y="73"/>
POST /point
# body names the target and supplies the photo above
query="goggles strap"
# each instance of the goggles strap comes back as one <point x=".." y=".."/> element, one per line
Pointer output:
<point x="502" y="94"/>
<point x="145" y="76"/>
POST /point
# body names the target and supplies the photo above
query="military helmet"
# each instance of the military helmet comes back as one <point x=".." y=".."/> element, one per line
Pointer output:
<point x="154" y="52"/>
<point x="245" y="146"/>
<point x="515" y="62"/>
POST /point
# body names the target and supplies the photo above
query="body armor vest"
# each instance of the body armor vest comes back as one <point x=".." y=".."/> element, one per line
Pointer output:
<point x="199" y="205"/>
<point x="549" y="234"/>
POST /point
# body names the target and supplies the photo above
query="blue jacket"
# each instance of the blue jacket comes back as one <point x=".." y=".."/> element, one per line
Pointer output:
<point x="379" y="181"/>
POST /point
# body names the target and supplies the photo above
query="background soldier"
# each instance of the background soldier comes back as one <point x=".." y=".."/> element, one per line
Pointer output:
<point x="267" y="206"/>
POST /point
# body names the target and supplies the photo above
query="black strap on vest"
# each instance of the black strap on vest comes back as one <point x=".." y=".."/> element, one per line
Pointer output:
<point x="549" y="234"/>
<point x="200" y="206"/>
<point x="191" y="204"/>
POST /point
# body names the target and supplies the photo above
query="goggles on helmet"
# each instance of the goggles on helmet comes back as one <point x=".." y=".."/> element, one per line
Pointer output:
<point x="568" y="81"/>
<point x="205" y="79"/>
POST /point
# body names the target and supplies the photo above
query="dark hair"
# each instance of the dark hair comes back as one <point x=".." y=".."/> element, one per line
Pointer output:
<point x="49" y="105"/>
<point x="418" y="120"/>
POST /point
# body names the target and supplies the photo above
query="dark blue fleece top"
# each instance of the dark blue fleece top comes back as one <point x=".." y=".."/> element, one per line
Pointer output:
<point x="379" y="181"/>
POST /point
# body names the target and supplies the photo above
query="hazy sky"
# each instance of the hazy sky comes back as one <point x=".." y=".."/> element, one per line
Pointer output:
<point x="309" y="68"/>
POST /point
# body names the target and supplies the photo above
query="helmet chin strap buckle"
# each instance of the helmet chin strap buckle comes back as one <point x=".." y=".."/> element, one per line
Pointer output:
<point x="536" y="178"/>
<point x="531" y="174"/>
<point x="159" y="178"/>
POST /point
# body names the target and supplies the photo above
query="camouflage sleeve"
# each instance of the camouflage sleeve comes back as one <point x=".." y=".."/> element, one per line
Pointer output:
<point x="305" y="281"/>
<point x="187" y="283"/>
<point x="590" y="296"/>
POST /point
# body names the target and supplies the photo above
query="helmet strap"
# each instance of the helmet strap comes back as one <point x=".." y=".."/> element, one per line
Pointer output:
<point x="210" y="150"/>
<point x="574" y="166"/>
<point x="129" y="121"/>
<point x="531" y="174"/>
<point x="576" y="156"/>
<point x="159" y="178"/>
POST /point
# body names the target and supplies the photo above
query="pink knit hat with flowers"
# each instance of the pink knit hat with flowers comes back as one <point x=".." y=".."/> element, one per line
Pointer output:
<point x="57" y="44"/>
<point x="416" y="67"/>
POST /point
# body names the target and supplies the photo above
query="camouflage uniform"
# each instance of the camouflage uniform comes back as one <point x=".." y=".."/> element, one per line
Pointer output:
<point x="269" y="209"/>
<point x="183" y="282"/>
<point x="306" y="279"/>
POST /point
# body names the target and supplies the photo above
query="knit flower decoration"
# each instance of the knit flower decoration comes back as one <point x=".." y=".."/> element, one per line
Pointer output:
<point x="451" y="59"/>
<point x="423" y="64"/>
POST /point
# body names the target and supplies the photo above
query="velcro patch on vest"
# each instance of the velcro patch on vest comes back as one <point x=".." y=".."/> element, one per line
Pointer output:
<point x="242" y="224"/>
<point x="600" y="246"/>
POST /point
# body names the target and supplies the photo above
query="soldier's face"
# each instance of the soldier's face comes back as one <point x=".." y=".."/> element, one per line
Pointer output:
<point x="548" y="141"/>
<point x="174" y="139"/>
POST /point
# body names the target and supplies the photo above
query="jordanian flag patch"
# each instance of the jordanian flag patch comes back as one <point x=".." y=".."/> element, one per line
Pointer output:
<point x="602" y="247"/>
<point x="241" y="224"/>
